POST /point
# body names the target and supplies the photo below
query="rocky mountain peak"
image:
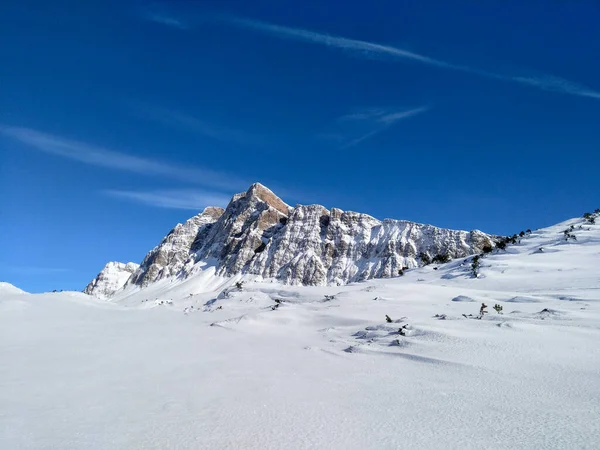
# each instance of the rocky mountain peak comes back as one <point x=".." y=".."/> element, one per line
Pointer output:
<point x="258" y="233"/>
<point x="264" y="194"/>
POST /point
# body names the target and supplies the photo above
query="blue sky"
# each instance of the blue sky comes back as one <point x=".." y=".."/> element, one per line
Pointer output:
<point x="120" y="119"/>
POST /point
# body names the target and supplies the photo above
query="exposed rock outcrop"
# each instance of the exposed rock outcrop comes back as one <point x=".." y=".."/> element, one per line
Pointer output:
<point x="260" y="234"/>
<point x="110" y="279"/>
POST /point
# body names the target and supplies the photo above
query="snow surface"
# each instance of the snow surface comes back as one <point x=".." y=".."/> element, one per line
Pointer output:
<point x="199" y="363"/>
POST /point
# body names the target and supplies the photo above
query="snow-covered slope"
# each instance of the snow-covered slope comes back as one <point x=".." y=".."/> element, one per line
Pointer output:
<point x="110" y="279"/>
<point x="9" y="289"/>
<point x="258" y="234"/>
<point x="199" y="362"/>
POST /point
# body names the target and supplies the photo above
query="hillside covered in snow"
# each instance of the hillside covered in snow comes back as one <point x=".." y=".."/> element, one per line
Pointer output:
<point x="210" y="361"/>
<point x="260" y="235"/>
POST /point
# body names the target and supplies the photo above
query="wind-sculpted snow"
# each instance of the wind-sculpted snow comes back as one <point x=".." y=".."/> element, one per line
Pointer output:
<point x="111" y="279"/>
<point x="258" y="234"/>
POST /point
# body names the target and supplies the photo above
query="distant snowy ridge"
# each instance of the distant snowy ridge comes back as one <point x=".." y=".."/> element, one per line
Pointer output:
<point x="110" y="279"/>
<point x="9" y="289"/>
<point x="259" y="234"/>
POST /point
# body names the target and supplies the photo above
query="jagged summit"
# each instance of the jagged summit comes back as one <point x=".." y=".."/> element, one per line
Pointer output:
<point x="259" y="234"/>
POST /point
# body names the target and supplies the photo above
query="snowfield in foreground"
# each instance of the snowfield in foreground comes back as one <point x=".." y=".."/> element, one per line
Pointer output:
<point x="201" y="364"/>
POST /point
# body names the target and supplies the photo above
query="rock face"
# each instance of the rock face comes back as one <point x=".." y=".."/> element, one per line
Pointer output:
<point x="259" y="234"/>
<point x="168" y="258"/>
<point x="111" y="279"/>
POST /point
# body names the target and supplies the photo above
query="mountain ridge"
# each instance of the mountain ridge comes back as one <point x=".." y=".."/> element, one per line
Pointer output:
<point x="259" y="234"/>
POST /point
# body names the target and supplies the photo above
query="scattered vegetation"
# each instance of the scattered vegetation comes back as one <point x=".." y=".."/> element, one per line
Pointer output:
<point x="425" y="259"/>
<point x="568" y="233"/>
<point x="498" y="308"/>
<point x="239" y="285"/>
<point x="388" y="319"/>
<point x="591" y="217"/>
<point x="487" y="248"/>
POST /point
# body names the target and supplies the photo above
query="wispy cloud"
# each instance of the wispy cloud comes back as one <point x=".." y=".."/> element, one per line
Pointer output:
<point x="165" y="20"/>
<point x="193" y="124"/>
<point x="371" y="121"/>
<point x="192" y="199"/>
<point x="371" y="50"/>
<point x="159" y="13"/>
<point x="102" y="157"/>
<point x="364" y="114"/>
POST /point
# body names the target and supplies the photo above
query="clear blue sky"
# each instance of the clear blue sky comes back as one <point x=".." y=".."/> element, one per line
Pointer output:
<point x="119" y="119"/>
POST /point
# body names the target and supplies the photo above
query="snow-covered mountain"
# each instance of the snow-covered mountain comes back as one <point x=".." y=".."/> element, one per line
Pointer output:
<point x="259" y="234"/>
<point x="110" y="279"/>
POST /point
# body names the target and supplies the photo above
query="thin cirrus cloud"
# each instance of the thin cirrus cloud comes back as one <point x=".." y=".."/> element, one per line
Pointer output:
<point x="165" y="20"/>
<point x="371" y="49"/>
<point x="102" y="157"/>
<point x="157" y="13"/>
<point x="376" y="120"/>
<point x="191" y="199"/>
<point x="193" y="124"/>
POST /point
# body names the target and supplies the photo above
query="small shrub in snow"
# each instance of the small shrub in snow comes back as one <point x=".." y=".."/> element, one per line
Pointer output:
<point x="239" y="285"/>
<point x="475" y="265"/>
<point x="522" y="233"/>
<point x="482" y="310"/>
<point x="388" y="319"/>
<point x="441" y="258"/>
<point x="401" y="272"/>
<point x="501" y="245"/>
<point x="425" y="259"/>
<point x="498" y="308"/>
<point x="487" y="248"/>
